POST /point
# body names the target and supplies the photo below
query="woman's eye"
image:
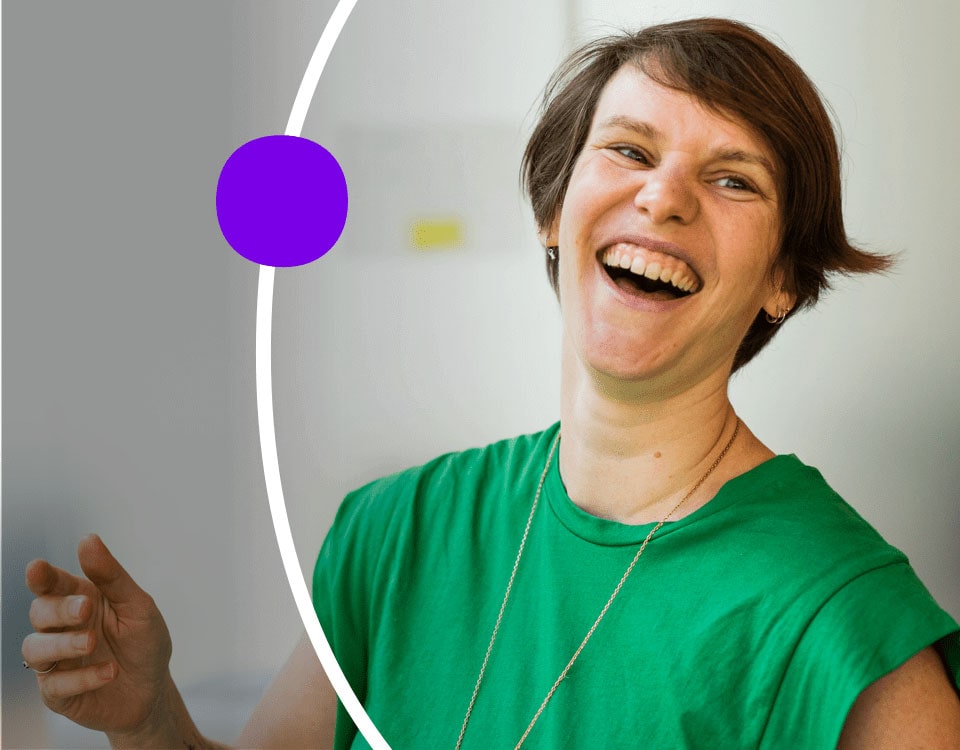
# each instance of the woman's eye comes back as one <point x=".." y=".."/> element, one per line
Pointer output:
<point x="632" y="153"/>
<point x="735" y="183"/>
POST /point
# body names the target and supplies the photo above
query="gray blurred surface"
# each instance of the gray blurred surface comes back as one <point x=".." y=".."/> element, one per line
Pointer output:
<point x="128" y="402"/>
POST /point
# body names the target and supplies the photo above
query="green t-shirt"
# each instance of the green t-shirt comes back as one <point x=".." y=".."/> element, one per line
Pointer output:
<point x="755" y="621"/>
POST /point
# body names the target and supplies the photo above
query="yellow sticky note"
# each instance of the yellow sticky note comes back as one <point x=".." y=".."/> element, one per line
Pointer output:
<point x="436" y="233"/>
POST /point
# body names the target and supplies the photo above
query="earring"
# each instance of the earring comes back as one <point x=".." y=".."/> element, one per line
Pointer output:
<point x="552" y="252"/>
<point x="782" y="313"/>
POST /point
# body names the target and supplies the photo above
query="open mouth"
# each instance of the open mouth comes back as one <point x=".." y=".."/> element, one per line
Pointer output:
<point x="666" y="278"/>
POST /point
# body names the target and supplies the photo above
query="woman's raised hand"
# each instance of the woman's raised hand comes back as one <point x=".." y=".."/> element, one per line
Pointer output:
<point x="107" y="639"/>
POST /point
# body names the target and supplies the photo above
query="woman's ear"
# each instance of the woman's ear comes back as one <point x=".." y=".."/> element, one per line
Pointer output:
<point x="781" y="301"/>
<point x="549" y="234"/>
<point x="779" y="305"/>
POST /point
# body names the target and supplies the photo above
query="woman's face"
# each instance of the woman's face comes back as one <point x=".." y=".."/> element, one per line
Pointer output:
<point x="684" y="198"/>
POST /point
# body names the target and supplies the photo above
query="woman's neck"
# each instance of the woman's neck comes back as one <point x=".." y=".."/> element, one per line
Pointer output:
<point x="633" y="459"/>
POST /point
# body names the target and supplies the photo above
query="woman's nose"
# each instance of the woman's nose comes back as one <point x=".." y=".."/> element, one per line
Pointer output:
<point x="666" y="195"/>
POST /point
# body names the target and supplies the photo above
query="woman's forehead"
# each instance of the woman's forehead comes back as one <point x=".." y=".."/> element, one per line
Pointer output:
<point x="632" y="100"/>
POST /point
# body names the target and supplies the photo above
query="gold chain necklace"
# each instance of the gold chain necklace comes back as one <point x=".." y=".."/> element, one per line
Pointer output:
<point x="603" y="612"/>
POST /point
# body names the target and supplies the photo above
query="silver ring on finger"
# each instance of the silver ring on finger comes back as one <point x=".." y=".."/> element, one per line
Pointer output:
<point x="41" y="671"/>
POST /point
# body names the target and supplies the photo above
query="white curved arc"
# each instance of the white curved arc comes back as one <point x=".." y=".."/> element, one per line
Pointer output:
<point x="311" y="76"/>
<point x="268" y="440"/>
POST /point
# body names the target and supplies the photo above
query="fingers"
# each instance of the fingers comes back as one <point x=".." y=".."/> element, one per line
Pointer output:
<point x="44" y="579"/>
<point x="40" y="650"/>
<point x="49" y="613"/>
<point x="66" y="683"/>
<point x="106" y="573"/>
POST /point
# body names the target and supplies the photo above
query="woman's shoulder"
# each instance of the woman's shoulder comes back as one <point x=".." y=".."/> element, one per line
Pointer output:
<point x="463" y="476"/>
<point x="786" y="498"/>
<point x="786" y="523"/>
<point x="794" y="537"/>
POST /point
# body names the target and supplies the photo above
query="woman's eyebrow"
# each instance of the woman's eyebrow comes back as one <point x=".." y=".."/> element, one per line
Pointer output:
<point x="746" y="157"/>
<point x="628" y="123"/>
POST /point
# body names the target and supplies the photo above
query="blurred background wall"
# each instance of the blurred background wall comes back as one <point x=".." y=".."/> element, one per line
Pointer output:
<point x="128" y="324"/>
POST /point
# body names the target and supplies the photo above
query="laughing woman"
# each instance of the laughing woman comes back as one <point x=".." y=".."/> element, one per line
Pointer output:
<point x="646" y="572"/>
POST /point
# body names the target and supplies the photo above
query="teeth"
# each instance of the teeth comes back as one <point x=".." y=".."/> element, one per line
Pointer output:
<point x="677" y="277"/>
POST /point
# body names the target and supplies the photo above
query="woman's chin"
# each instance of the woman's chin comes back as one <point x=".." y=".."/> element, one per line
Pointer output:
<point x="625" y="372"/>
<point x="638" y="373"/>
<point x="627" y="358"/>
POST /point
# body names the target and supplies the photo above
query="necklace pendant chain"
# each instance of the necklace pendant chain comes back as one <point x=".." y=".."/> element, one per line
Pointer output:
<point x="623" y="579"/>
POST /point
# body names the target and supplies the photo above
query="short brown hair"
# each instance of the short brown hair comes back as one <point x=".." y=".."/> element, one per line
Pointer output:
<point x="739" y="73"/>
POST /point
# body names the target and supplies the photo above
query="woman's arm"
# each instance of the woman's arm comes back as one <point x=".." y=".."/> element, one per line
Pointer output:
<point x="299" y="709"/>
<point x="915" y="706"/>
<point x="109" y="650"/>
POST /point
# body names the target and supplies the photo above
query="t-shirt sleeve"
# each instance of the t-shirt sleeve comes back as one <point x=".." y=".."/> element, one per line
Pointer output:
<point x="338" y="584"/>
<point x="865" y="630"/>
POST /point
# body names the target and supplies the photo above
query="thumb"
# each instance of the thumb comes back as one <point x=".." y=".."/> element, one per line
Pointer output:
<point x="108" y="575"/>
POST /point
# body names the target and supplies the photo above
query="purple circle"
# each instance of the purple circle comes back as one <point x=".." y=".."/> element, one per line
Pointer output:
<point x="281" y="200"/>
